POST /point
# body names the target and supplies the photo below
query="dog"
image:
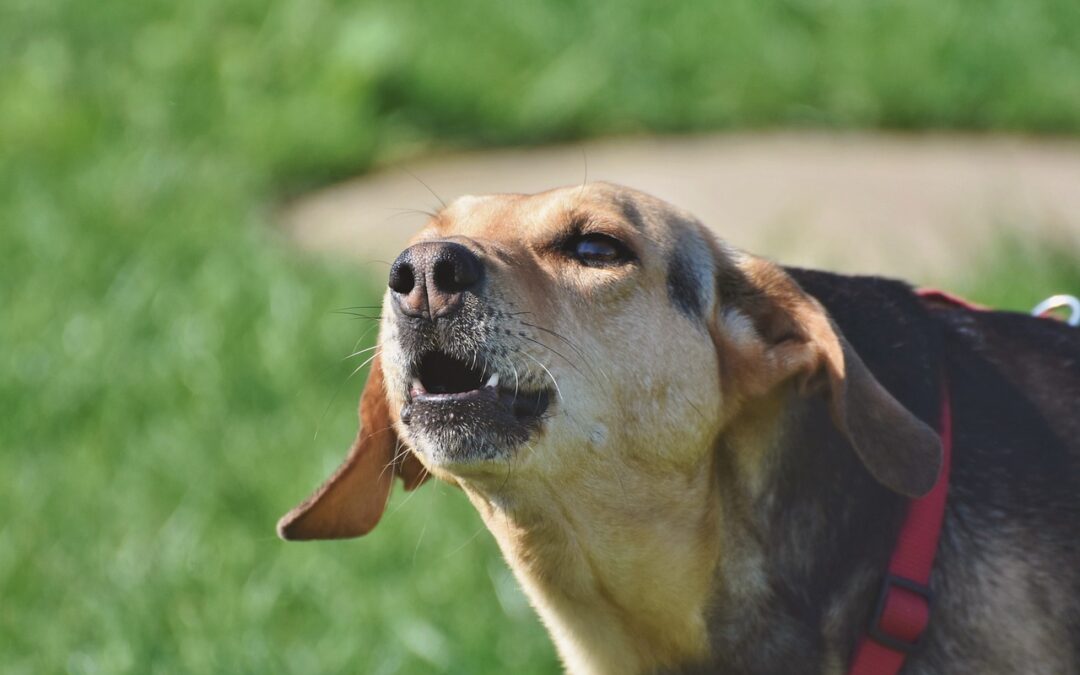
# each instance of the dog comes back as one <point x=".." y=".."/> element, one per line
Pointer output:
<point x="697" y="461"/>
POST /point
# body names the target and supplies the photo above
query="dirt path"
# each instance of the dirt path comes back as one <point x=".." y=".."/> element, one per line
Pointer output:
<point x="918" y="207"/>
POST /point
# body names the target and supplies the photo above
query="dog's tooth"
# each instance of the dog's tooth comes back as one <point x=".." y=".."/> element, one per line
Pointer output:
<point x="417" y="388"/>
<point x="493" y="381"/>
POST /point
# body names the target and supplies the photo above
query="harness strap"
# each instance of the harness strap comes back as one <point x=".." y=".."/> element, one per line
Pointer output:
<point x="902" y="611"/>
<point x="903" y="606"/>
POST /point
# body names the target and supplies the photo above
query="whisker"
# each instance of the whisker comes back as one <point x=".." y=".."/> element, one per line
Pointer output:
<point x="407" y="211"/>
<point x="405" y="501"/>
<point x="357" y="315"/>
<point x="585" y="179"/>
<point x="691" y="404"/>
<point x="557" y="390"/>
<point x="556" y="353"/>
<point x="360" y="340"/>
<point x="367" y="331"/>
<point x="400" y="451"/>
<point x="506" y="478"/>
<point x="361" y="366"/>
<point x="506" y="512"/>
<point x="558" y="335"/>
<point x="393" y="460"/>
<point x="577" y="350"/>
<point x="418" y="540"/>
<point x="466" y="542"/>
<point x="337" y="391"/>
<point x="433" y="193"/>
<point x="358" y="353"/>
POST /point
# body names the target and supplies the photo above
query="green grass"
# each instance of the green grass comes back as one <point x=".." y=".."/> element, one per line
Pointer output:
<point x="1017" y="273"/>
<point x="166" y="360"/>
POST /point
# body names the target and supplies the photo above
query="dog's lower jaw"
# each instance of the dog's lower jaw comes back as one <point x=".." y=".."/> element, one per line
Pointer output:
<point x="611" y="609"/>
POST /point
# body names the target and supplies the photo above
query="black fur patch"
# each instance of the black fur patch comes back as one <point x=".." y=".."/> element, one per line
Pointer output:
<point x="683" y="287"/>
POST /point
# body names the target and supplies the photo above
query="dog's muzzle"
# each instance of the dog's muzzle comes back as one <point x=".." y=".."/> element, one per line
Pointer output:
<point x="465" y="400"/>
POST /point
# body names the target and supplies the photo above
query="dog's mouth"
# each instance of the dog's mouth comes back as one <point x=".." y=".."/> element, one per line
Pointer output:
<point x="446" y="391"/>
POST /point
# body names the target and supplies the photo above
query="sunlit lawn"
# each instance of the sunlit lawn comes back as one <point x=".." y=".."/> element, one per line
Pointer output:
<point x="171" y="371"/>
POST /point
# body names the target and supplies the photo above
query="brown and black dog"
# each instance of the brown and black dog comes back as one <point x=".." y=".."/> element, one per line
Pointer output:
<point x="695" y="460"/>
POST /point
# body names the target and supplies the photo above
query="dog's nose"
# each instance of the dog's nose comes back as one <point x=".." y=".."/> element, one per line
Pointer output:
<point x="428" y="280"/>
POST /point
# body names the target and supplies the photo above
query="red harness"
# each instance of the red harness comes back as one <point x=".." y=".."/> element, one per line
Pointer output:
<point x="903" y="606"/>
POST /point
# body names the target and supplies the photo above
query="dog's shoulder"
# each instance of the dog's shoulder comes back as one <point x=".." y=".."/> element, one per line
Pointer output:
<point x="1013" y="382"/>
<point x="1036" y="362"/>
<point x="1014" y="496"/>
<point x="1016" y="392"/>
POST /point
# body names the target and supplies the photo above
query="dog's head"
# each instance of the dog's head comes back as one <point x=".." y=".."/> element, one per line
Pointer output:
<point x="589" y="335"/>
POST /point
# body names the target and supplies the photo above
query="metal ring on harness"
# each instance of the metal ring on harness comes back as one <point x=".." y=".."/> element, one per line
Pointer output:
<point x="1057" y="302"/>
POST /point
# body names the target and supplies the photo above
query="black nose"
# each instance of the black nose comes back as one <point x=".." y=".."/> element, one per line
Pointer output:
<point x="429" y="279"/>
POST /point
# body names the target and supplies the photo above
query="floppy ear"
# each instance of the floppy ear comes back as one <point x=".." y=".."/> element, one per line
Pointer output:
<point x="352" y="500"/>
<point x="780" y="333"/>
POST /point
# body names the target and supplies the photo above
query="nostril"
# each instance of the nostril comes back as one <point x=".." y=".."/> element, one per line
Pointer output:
<point x="402" y="278"/>
<point x="456" y="270"/>
<point x="445" y="276"/>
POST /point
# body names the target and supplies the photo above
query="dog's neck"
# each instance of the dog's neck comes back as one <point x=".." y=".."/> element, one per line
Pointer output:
<point x="806" y="535"/>
<point x="764" y="559"/>
<point x="620" y="572"/>
<point x="726" y="563"/>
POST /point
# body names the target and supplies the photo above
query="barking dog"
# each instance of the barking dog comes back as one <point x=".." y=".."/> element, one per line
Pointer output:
<point x="695" y="460"/>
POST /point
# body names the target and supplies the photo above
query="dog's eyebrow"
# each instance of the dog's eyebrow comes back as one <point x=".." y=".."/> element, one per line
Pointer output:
<point x="689" y="269"/>
<point x="687" y="273"/>
<point x="631" y="212"/>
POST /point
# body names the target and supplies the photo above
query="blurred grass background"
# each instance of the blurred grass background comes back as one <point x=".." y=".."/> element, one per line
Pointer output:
<point x="166" y="359"/>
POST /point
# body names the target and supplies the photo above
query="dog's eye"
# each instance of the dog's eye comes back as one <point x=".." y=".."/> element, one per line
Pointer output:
<point x="598" y="249"/>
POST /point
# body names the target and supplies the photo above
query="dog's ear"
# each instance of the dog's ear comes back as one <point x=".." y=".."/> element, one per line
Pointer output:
<point x="351" y="501"/>
<point x="769" y="331"/>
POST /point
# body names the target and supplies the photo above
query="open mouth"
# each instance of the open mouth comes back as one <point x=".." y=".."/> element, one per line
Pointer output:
<point x="451" y="390"/>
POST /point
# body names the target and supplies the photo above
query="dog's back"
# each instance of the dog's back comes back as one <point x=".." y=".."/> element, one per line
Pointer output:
<point x="1010" y="570"/>
<point x="1007" y="577"/>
